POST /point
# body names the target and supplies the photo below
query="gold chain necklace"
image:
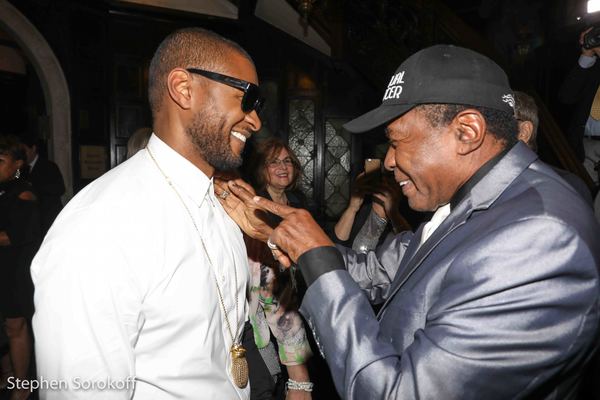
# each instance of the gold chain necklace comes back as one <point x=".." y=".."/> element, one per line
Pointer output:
<point x="239" y="364"/>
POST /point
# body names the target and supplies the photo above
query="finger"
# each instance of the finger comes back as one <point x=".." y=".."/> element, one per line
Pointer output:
<point x="229" y="202"/>
<point x="583" y="34"/>
<point x="278" y="209"/>
<point x="241" y="190"/>
<point x="377" y="200"/>
<point x="378" y="197"/>
<point x="219" y="187"/>
<point x="282" y="258"/>
<point x="243" y="184"/>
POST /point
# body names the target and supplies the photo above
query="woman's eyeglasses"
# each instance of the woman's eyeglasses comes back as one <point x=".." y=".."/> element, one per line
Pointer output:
<point x="286" y="162"/>
<point x="250" y="101"/>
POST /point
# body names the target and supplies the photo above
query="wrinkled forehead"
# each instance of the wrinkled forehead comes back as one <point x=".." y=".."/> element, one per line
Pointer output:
<point x="401" y="126"/>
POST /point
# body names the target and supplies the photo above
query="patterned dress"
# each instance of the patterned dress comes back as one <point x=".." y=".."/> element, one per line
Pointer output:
<point x="268" y="316"/>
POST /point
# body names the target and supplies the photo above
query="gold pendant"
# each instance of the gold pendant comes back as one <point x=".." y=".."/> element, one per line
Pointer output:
<point x="239" y="365"/>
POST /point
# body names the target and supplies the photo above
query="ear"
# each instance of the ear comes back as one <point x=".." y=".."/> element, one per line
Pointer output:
<point x="525" y="131"/>
<point x="19" y="164"/>
<point x="470" y="130"/>
<point x="179" y="85"/>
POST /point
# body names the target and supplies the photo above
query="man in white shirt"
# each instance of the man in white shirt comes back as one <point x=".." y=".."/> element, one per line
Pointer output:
<point x="140" y="285"/>
<point x="582" y="88"/>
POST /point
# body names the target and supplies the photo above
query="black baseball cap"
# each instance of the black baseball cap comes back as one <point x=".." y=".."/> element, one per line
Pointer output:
<point x="441" y="74"/>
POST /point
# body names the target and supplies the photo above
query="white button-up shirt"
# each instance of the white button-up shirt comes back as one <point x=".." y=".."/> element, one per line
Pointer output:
<point x="438" y="217"/>
<point x="126" y="300"/>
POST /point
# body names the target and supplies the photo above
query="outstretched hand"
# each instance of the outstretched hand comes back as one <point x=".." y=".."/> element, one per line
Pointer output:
<point x="297" y="233"/>
<point x="240" y="205"/>
<point x="236" y="198"/>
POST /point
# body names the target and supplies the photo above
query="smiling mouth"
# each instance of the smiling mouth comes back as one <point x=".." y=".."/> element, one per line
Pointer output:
<point x="402" y="183"/>
<point x="238" y="136"/>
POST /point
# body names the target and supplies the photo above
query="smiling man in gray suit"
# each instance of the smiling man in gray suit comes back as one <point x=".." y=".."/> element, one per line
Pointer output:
<point x="497" y="297"/>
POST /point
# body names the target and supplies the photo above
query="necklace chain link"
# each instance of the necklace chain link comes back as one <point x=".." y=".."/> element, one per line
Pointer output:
<point x="219" y="293"/>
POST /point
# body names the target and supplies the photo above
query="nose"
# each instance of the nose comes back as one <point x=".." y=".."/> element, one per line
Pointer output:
<point x="253" y="119"/>
<point x="390" y="160"/>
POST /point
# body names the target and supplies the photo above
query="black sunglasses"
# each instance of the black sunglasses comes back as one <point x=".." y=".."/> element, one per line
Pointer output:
<point x="250" y="101"/>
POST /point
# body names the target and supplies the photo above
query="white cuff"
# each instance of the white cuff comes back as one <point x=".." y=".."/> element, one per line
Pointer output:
<point x="586" y="62"/>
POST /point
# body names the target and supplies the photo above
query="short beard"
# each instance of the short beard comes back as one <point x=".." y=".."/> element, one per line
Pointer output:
<point x="212" y="142"/>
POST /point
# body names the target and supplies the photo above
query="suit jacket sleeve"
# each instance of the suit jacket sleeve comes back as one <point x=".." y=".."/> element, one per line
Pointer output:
<point x="481" y="335"/>
<point x="375" y="270"/>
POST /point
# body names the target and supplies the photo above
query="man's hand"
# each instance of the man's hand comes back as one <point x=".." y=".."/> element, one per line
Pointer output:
<point x="386" y="198"/>
<point x="297" y="233"/>
<point x="588" y="52"/>
<point x="386" y="204"/>
<point x="240" y="207"/>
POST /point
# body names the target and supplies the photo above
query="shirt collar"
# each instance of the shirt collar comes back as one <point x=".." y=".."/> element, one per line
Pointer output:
<point x="466" y="188"/>
<point x="33" y="162"/>
<point x="436" y="220"/>
<point x="186" y="177"/>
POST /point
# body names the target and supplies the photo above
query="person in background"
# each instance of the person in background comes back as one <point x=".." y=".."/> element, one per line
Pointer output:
<point x="46" y="179"/>
<point x="142" y="279"/>
<point x="19" y="240"/>
<point x="581" y="87"/>
<point x="496" y="297"/>
<point x="526" y="113"/>
<point x="138" y="140"/>
<point x="273" y="292"/>
<point x="362" y="229"/>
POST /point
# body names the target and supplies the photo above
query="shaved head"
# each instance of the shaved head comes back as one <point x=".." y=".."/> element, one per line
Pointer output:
<point x="187" y="48"/>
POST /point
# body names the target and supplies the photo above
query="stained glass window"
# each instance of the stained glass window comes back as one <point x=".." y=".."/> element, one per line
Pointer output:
<point x="337" y="167"/>
<point x="302" y="141"/>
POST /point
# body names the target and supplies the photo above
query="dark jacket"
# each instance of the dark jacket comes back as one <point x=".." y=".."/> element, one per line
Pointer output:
<point x="49" y="186"/>
<point x="579" y="88"/>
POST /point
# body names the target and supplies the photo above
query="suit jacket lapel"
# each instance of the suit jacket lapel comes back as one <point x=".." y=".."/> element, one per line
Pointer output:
<point x="415" y="257"/>
<point x="413" y="246"/>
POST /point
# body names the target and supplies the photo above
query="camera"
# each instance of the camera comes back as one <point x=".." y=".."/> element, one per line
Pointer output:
<point x="592" y="38"/>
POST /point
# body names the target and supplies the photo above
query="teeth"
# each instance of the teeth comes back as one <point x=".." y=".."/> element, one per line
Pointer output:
<point x="238" y="136"/>
<point x="403" y="183"/>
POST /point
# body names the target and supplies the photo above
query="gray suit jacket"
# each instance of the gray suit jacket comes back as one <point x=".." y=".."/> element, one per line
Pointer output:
<point x="501" y="302"/>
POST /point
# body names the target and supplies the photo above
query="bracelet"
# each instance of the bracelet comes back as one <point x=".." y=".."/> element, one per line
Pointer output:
<point x="294" y="385"/>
